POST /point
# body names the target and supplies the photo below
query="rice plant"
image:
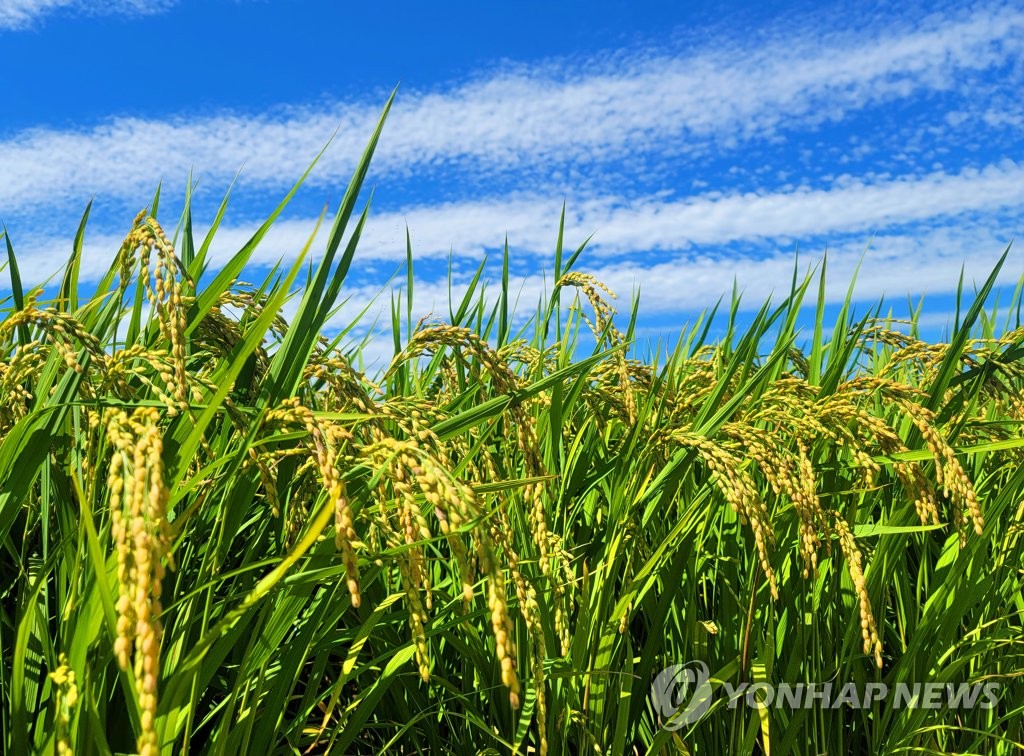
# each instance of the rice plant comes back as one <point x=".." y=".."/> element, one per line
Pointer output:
<point x="222" y="537"/>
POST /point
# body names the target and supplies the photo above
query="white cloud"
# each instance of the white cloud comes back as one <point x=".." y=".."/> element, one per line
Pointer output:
<point x="894" y="266"/>
<point x="620" y="227"/>
<point x="523" y="119"/>
<point x="18" y="14"/>
<point x="914" y="249"/>
<point x="700" y="225"/>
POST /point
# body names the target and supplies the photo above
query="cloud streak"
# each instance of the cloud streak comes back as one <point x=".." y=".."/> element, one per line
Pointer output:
<point x="624" y="226"/>
<point x="641" y="242"/>
<point x="19" y="14"/>
<point x="557" y="115"/>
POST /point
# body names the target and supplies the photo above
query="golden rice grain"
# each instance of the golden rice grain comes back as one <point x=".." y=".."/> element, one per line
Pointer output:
<point x="138" y="500"/>
<point x="869" y="631"/>
<point x="67" y="698"/>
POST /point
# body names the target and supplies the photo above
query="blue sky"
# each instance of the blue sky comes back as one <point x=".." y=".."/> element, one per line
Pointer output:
<point x="700" y="143"/>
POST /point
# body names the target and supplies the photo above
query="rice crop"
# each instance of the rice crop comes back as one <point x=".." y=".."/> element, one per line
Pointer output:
<point x="220" y="536"/>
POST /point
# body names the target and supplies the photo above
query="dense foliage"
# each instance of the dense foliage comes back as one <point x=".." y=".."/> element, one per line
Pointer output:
<point x="220" y="537"/>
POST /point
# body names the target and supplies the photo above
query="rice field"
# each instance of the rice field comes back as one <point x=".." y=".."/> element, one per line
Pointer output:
<point x="220" y="537"/>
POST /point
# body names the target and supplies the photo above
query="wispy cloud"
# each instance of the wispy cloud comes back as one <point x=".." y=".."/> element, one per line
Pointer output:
<point x="681" y="252"/>
<point x="18" y="14"/>
<point x="556" y="118"/>
<point x="647" y="224"/>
